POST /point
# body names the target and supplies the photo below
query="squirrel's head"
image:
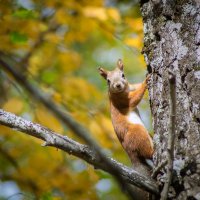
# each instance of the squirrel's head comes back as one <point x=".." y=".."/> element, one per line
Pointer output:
<point x="115" y="79"/>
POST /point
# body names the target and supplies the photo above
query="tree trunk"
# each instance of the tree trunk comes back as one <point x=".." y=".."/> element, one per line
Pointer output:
<point x="172" y="41"/>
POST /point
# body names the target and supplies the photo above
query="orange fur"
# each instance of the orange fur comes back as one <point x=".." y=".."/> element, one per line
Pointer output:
<point x="134" y="138"/>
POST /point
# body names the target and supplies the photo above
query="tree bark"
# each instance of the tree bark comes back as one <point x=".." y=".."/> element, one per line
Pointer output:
<point x="172" y="42"/>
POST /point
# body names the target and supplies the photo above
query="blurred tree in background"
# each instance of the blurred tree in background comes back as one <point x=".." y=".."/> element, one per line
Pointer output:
<point x="59" y="46"/>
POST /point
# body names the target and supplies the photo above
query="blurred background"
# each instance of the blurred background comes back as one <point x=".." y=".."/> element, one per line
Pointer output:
<point x="59" y="45"/>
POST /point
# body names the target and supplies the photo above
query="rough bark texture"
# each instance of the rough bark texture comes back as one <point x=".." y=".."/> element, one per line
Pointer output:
<point x="172" y="41"/>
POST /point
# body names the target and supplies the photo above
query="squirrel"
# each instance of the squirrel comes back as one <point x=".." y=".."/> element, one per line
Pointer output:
<point x="129" y="128"/>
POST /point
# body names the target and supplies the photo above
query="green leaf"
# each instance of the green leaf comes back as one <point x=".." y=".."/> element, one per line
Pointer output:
<point x="49" y="76"/>
<point x="25" y="14"/>
<point x="18" y="38"/>
<point x="47" y="196"/>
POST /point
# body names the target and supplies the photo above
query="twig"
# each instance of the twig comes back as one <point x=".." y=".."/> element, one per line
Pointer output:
<point x="72" y="147"/>
<point x="158" y="168"/>
<point x="171" y="136"/>
<point x="66" y="118"/>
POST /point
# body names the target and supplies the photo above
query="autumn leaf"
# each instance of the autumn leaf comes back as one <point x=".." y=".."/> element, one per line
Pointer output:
<point x="95" y="12"/>
<point x="134" y="42"/>
<point x="14" y="105"/>
<point x="47" y="119"/>
<point x="114" y="14"/>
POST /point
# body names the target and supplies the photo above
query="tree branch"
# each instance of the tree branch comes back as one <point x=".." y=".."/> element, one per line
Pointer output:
<point x="158" y="168"/>
<point x="72" y="147"/>
<point x="171" y="135"/>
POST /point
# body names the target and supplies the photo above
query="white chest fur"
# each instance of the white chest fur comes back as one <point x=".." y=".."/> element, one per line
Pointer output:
<point x="134" y="118"/>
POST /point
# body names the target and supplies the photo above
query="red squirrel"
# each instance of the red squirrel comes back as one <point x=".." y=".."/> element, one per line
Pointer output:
<point x="128" y="126"/>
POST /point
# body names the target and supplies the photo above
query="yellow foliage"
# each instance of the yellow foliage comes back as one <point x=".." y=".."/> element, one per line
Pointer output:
<point x="107" y="136"/>
<point x="35" y="62"/>
<point x="106" y="125"/>
<point x="57" y="198"/>
<point x="79" y="90"/>
<point x="47" y="119"/>
<point x="5" y="131"/>
<point x="80" y="32"/>
<point x="142" y="61"/>
<point x="54" y="38"/>
<point x="14" y="105"/>
<point x="138" y="24"/>
<point x="135" y="24"/>
<point x="32" y="28"/>
<point x="61" y="16"/>
<point x="69" y="61"/>
<point x="95" y="128"/>
<point x="114" y="14"/>
<point x="134" y="42"/>
<point x="57" y="97"/>
<point x="95" y="12"/>
<point x="42" y="59"/>
<point x="5" y="46"/>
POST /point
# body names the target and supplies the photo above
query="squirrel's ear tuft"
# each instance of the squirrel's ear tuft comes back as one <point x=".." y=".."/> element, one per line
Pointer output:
<point x="120" y="64"/>
<point x="103" y="72"/>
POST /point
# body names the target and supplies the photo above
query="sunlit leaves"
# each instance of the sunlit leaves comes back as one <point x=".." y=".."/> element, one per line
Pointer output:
<point x="114" y="14"/>
<point x="69" y="61"/>
<point x="134" y="42"/>
<point x="47" y="119"/>
<point x="95" y="12"/>
<point x="49" y="76"/>
<point x="25" y="14"/>
<point x="61" y="16"/>
<point x="79" y="89"/>
<point x="135" y="24"/>
<point x="18" y="38"/>
<point x="14" y="105"/>
<point x="102" y="13"/>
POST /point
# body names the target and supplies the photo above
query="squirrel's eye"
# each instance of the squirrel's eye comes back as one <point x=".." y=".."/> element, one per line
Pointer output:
<point x="108" y="81"/>
<point x="123" y="76"/>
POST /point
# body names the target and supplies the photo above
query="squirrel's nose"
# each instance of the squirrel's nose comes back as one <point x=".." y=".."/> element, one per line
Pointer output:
<point x="118" y="86"/>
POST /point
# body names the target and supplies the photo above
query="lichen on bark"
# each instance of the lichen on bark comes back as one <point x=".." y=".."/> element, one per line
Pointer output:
<point x="172" y="41"/>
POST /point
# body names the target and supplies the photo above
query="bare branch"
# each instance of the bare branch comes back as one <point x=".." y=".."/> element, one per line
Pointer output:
<point x="72" y="147"/>
<point x="171" y="136"/>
